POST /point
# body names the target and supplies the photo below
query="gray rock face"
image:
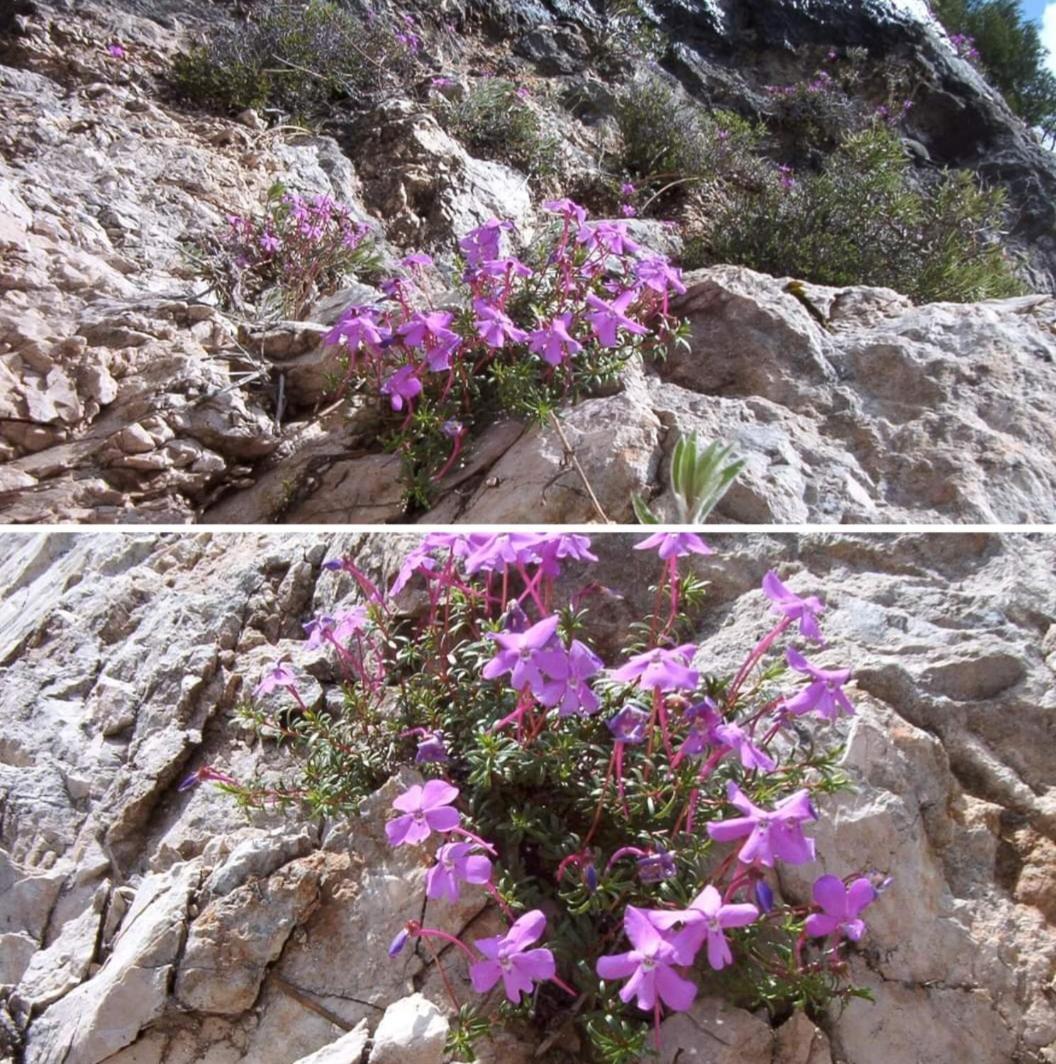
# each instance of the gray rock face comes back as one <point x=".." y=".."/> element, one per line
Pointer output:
<point x="867" y="410"/>
<point x="140" y="923"/>
<point x="128" y="396"/>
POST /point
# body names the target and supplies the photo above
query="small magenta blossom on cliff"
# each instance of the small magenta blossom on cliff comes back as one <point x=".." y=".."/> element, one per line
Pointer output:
<point x="772" y="834"/>
<point x="665" y="670"/>
<point x="532" y="658"/>
<point x="456" y="863"/>
<point x="824" y="694"/>
<point x="841" y="906"/>
<point x="508" y="958"/>
<point x="674" y="544"/>
<point x="649" y="967"/>
<point x="804" y="610"/>
<point x="706" y="920"/>
<point x="426" y="809"/>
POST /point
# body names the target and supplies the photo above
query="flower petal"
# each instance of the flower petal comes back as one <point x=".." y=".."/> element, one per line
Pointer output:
<point x="525" y="930"/>
<point x="830" y="893"/>
<point x="438" y="792"/>
<point x="484" y="975"/>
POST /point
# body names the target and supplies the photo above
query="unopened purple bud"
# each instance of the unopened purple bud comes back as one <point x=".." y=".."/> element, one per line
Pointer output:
<point x="398" y="942"/>
<point x="516" y="620"/>
<point x="590" y="877"/>
<point x="431" y="749"/>
<point x="656" y="867"/>
<point x="334" y="565"/>
<point x="453" y="429"/>
<point x="191" y="781"/>
<point x="764" y="896"/>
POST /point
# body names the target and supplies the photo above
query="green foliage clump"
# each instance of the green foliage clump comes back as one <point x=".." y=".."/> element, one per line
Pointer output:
<point x="861" y="220"/>
<point x="296" y="59"/>
<point x="666" y="137"/>
<point x="1011" y="52"/>
<point x="276" y="264"/>
<point x="493" y="119"/>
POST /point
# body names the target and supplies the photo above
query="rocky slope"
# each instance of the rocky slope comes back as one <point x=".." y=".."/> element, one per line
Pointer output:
<point x="143" y="924"/>
<point x="126" y="396"/>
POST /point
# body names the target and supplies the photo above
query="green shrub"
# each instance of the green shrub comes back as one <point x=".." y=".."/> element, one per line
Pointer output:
<point x="493" y="119"/>
<point x="1010" y="50"/>
<point x="861" y="220"/>
<point x="296" y="58"/>
<point x="667" y="138"/>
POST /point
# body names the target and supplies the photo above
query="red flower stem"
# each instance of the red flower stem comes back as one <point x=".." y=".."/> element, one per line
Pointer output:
<point x="615" y="761"/>
<point x="443" y="974"/>
<point x="465" y="832"/>
<point x="761" y="648"/>
<point x="432" y="932"/>
<point x="564" y="986"/>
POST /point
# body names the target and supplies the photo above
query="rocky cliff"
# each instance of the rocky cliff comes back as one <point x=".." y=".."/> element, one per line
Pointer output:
<point x="140" y="923"/>
<point x="127" y="395"/>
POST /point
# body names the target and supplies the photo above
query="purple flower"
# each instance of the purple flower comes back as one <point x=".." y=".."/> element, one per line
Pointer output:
<point x="427" y="809"/>
<point x="494" y="327"/>
<point x="532" y="657"/>
<point x="456" y="863"/>
<point x="628" y="210"/>
<point x="442" y="82"/>
<point x="402" y="387"/>
<point x="709" y="925"/>
<point x="431" y="749"/>
<point x="330" y="629"/>
<point x="452" y="429"/>
<point x="116" y="50"/>
<point x="656" y="867"/>
<point x="710" y="730"/>
<point x="418" y="260"/>
<point x="804" y="610"/>
<point x="509" y="959"/>
<point x="571" y="693"/>
<point x="785" y="178"/>
<point x="628" y="189"/>
<point x="358" y="328"/>
<point x="270" y="242"/>
<point x="667" y="670"/>
<point x="648" y="966"/>
<point x="611" y="236"/>
<point x="424" y="327"/>
<point x="278" y="675"/>
<point x="824" y="694"/>
<point x="607" y="318"/>
<point x="659" y="275"/>
<point x="482" y="244"/>
<point x="841" y="905"/>
<point x="567" y="209"/>
<point x="674" y="544"/>
<point x="553" y="342"/>
<point x="771" y="834"/>
<point x="628" y="726"/>
<point x="205" y="774"/>
<point x="505" y="268"/>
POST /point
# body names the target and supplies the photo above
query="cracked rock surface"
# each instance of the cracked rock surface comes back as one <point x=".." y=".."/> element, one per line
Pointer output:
<point x="139" y="923"/>
<point x="128" y="396"/>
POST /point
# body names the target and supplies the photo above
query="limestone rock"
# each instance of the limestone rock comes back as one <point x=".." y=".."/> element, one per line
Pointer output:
<point x="105" y="1014"/>
<point x="412" y="1031"/>
<point x="714" y="1032"/>
<point x="346" y="1050"/>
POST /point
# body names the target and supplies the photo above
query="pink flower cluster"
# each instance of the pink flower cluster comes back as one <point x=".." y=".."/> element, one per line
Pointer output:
<point x="597" y="292"/>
